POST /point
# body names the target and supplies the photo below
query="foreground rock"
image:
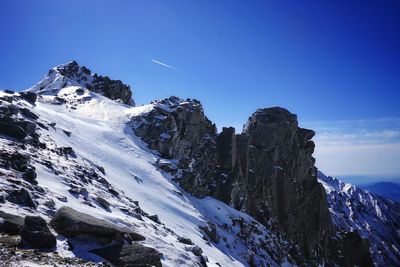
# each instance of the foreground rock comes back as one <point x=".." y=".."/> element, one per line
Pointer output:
<point x="11" y="255"/>
<point x="36" y="234"/>
<point x="71" y="223"/>
<point x="10" y="224"/>
<point x="130" y="255"/>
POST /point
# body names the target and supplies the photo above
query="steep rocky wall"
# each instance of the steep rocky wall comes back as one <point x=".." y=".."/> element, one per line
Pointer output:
<point x="271" y="176"/>
<point x="266" y="171"/>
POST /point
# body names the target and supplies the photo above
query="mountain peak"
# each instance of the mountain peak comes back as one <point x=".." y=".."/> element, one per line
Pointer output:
<point x="72" y="74"/>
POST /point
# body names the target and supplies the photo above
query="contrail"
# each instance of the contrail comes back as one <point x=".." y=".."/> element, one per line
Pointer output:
<point x="163" y="64"/>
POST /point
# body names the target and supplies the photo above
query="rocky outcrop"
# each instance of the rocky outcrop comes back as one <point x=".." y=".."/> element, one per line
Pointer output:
<point x="134" y="254"/>
<point x="266" y="171"/>
<point x="71" y="74"/>
<point x="36" y="234"/>
<point x="21" y="197"/>
<point x="72" y="223"/>
<point x="178" y="129"/>
<point x="270" y="171"/>
<point x="10" y="224"/>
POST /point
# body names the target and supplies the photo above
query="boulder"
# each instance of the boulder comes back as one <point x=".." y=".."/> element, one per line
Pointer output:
<point x="134" y="254"/>
<point x="29" y="96"/>
<point x="10" y="224"/>
<point x="30" y="175"/>
<point x="36" y="234"/>
<point x="29" y="114"/>
<point x="21" y="197"/>
<point x="103" y="203"/>
<point x="71" y="223"/>
<point x="12" y="130"/>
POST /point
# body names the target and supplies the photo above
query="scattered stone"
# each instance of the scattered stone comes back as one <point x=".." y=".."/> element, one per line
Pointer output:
<point x="30" y="175"/>
<point x="80" y="91"/>
<point x="50" y="203"/>
<point x="67" y="133"/>
<point x="103" y="203"/>
<point x="36" y="234"/>
<point x="29" y="96"/>
<point x="154" y="218"/>
<point x="184" y="240"/>
<point x="29" y="114"/>
<point x="21" y="197"/>
<point x="196" y="250"/>
<point x="134" y="254"/>
<point x="211" y="232"/>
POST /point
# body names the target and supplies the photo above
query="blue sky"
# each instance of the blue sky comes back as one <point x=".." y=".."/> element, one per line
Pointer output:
<point x="334" y="63"/>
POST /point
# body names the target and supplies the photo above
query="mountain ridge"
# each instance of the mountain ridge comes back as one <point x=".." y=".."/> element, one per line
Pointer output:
<point x="164" y="172"/>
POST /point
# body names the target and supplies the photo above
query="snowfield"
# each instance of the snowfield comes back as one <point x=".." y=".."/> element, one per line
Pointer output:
<point x="99" y="135"/>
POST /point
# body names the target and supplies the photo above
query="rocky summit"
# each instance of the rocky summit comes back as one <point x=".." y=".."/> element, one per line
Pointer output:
<point x="88" y="179"/>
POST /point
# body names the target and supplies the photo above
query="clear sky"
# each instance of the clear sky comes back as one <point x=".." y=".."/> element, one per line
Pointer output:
<point x="334" y="63"/>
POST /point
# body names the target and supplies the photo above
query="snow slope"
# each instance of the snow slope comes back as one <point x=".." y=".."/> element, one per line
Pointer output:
<point x="99" y="136"/>
<point x="374" y="217"/>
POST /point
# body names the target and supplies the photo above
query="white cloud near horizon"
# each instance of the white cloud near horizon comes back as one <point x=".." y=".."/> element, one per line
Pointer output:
<point x="363" y="147"/>
<point x="163" y="64"/>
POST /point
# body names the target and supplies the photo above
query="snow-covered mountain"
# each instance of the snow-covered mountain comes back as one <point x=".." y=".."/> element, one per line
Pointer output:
<point x="86" y="177"/>
<point x="374" y="217"/>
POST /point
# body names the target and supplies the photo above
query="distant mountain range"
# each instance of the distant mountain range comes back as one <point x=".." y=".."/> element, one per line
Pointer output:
<point x="385" y="189"/>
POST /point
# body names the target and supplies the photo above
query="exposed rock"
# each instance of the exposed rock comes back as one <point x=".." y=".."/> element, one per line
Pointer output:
<point x="30" y="175"/>
<point x="21" y="197"/>
<point x="211" y="231"/>
<point x="266" y="171"/>
<point x="357" y="249"/>
<point x="12" y="130"/>
<point x="29" y="96"/>
<point x="10" y="224"/>
<point x="36" y="234"/>
<point x="103" y="203"/>
<point x="184" y="240"/>
<point x="74" y="75"/>
<point x="70" y="223"/>
<point x="196" y="250"/>
<point x="130" y="255"/>
<point x="179" y="129"/>
<point x="29" y="114"/>
<point x="154" y="218"/>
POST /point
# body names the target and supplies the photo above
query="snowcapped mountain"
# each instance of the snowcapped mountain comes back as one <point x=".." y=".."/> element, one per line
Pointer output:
<point x="374" y="217"/>
<point x="87" y="178"/>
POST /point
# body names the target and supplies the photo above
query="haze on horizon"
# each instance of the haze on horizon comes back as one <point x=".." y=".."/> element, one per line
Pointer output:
<point x="334" y="64"/>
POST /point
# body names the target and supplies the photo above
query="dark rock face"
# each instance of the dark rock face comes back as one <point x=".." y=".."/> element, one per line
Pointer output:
<point x="266" y="171"/>
<point x="29" y="96"/>
<point x="21" y="197"/>
<point x="179" y="129"/>
<point x="71" y="223"/>
<point x="273" y="178"/>
<point x="73" y="74"/>
<point x="10" y="224"/>
<point x="134" y="254"/>
<point x="13" y="126"/>
<point x="36" y="234"/>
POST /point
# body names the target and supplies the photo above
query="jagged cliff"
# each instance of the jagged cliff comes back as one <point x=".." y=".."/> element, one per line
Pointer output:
<point x="266" y="171"/>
